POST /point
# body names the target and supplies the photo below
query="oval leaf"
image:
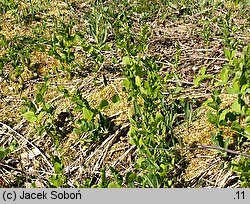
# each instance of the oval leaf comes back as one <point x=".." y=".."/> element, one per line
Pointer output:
<point x="104" y="104"/>
<point x="113" y="185"/>
<point x="30" y="116"/>
<point x="87" y="114"/>
<point x="115" y="98"/>
<point x="126" y="60"/>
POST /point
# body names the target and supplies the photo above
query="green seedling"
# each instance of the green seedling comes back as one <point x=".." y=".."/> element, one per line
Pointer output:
<point x="202" y="76"/>
<point x="4" y="152"/>
<point x="242" y="168"/>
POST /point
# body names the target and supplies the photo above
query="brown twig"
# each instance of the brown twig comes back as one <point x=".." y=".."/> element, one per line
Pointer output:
<point x="202" y="146"/>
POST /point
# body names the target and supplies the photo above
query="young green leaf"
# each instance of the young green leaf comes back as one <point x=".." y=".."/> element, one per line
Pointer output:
<point x="236" y="126"/>
<point x="3" y="152"/>
<point x="212" y="118"/>
<point x="197" y="80"/>
<point x="237" y="105"/>
<point x="224" y="75"/>
<point x="116" y="98"/>
<point x="126" y="60"/>
<point x="87" y="114"/>
<point x="103" y="104"/>
<point x="138" y="81"/>
<point x="113" y="185"/>
<point x="213" y="105"/>
<point x="58" y="167"/>
<point x="30" y="116"/>
<point x="39" y="97"/>
<point x="126" y="83"/>
<point x="203" y="71"/>
<point x="247" y="131"/>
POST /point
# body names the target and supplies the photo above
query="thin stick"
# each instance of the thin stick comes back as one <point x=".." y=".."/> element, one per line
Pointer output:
<point x="123" y="156"/>
<point x="11" y="168"/>
<point x="202" y="146"/>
